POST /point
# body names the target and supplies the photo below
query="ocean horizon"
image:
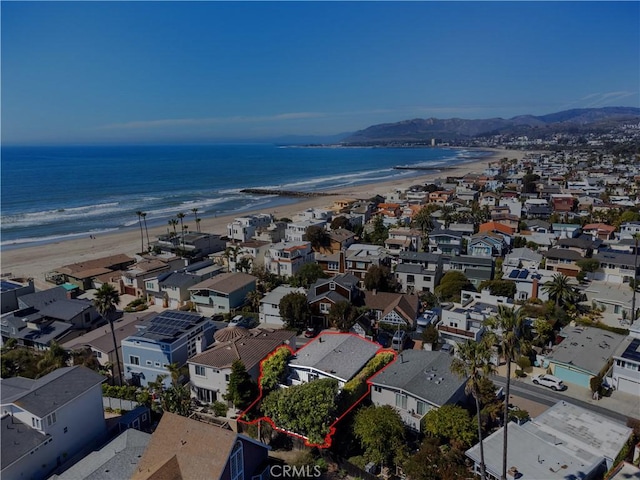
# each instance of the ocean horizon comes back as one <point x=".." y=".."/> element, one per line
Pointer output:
<point x="59" y="192"/>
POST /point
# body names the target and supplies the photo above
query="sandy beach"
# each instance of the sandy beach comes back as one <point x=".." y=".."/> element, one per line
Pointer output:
<point x="34" y="262"/>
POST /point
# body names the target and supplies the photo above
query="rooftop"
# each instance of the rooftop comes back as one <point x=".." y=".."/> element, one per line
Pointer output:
<point x="339" y="354"/>
<point x="426" y="375"/>
<point x="586" y="348"/>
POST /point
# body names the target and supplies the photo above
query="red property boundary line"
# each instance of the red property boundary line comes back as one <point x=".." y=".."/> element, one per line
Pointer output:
<point x="332" y="427"/>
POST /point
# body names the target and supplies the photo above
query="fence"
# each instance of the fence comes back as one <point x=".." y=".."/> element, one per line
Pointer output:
<point x="118" y="403"/>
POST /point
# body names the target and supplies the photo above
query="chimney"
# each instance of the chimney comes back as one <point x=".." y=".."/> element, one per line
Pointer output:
<point x="534" y="288"/>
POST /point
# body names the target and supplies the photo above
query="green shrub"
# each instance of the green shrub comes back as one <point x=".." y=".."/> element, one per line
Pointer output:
<point x="220" y="409"/>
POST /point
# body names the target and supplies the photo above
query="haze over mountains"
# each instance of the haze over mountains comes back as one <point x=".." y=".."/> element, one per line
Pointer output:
<point x="423" y="130"/>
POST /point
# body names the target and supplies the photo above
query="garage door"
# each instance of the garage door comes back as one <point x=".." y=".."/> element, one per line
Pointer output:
<point x="628" y="386"/>
<point x="572" y="376"/>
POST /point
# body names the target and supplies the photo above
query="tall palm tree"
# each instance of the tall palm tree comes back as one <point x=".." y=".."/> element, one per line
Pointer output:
<point x="181" y="218"/>
<point x="473" y="362"/>
<point x="139" y="213"/>
<point x="559" y="289"/>
<point x="195" y="213"/>
<point x="173" y="222"/>
<point x="144" y="219"/>
<point x="511" y="334"/>
<point x="106" y="299"/>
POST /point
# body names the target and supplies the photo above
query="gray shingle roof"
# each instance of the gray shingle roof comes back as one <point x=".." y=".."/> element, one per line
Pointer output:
<point x="50" y="392"/>
<point x="422" y="374"/>
<point x="18" y="439"/>
<point x="118" y="459"/>
<point x="54" y="303"/>
<point x="339" y="354"/>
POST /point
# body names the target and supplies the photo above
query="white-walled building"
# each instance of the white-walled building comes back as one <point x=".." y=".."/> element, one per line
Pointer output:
<point x="242" y="229"/>
<point x="287" y="258"/>
<point x="47" y="421"/>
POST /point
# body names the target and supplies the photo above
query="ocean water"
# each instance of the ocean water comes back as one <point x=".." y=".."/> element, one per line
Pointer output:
<point x="52" y="193"/>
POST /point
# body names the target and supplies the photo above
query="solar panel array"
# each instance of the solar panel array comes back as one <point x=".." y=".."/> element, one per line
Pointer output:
<point x="171" y="323"/>
<point x="633" y="351"/>
<point x="519" y="274"/>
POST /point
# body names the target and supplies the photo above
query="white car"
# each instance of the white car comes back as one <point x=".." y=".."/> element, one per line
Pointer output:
<point x="549" y="381"/>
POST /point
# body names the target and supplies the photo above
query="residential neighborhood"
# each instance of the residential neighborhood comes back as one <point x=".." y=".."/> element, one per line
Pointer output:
<point x="454" y="318"/>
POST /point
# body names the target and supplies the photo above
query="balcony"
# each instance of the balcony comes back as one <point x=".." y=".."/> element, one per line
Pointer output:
<point x="457" y="331"/>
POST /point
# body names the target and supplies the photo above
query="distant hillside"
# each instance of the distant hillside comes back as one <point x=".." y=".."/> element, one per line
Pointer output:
<point x="423" y="130"/>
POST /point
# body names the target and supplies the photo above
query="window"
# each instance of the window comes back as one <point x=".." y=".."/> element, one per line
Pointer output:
<point x="157" y="364"/>
<point x="426" y="278"/>
<point x="236" y="461"/>
<point x="324" y="308"/>
<point x="377" y="389"/>
<point x="411" y="279"/>
<point x="149" y="362"/>
<point x="227" y="377"/>
<point x="133" y="360"/>
<point x="332" y="285"/>
<point x="421" y="408"/>
<point x="200" y="371"/>
<point x="401" y="401"/>
<point x="51" y="419"/>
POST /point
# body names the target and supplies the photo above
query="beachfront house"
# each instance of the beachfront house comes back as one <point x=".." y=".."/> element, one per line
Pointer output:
<point x="11" y="290"/>
<point x="297" y="231"/>
<point x="195" y="245"/>
<point x="170" y="337"/>
<point x="242" y="229"/>
<point x="222" y="293"/>
<point x="82" y="274"/>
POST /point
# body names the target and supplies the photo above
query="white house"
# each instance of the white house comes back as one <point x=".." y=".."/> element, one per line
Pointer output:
<point x="287" y="258"/>
<point x="270" y="304"/>
<point x="297" y="231"/>
<point x="210" y="370"/>
<point x="47" y="421"/>
<point x="331" y="355"/>
<point x="243" y="228"/>
<point x="626" y="367"/>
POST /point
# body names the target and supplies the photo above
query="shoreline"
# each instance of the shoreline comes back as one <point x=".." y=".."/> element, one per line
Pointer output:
<point x="36" y="260"/>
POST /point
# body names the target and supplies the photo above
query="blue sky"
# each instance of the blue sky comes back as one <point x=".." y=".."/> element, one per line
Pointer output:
<point x="84" y="72"/>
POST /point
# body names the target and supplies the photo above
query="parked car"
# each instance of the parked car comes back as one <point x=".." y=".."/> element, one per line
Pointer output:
<point x="399" y="340"/>
<point x="447" y="348"/>
<point x="241" y="321"/>
<point x="310" y="332"/>
<point x="549" y="381"/>
<point x="384" y="339"/>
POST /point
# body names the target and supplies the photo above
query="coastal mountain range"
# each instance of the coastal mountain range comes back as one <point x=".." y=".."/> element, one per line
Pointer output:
<point x="575" y="121"/>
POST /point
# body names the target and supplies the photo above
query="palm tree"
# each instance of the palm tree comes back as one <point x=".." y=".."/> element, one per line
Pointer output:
<point x="181" y="217"/>
<point x="512" y="342"/>
<point x="144" y="219"/>
<point x="198" y="220"/>
<point x="105" y="301"/>
<point x="139" y="213"/>
<point x="231" y="251"/>
<point x="472" y="362"/>
<point x="173" y="222"/>
<point x="195" y="213"/>
<point x="559" y="289"/>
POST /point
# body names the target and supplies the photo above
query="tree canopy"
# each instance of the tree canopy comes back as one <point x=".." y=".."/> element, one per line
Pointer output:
<point x="295" y="311"/>
<point x="380" y="278"/>
<point x="502" y="288"/>
<point x="318" y="237"/>
<point x="241" y="389"/>
<point x="308" y="274"/>
<point x="307" y="409"/>
<point x="451" y="284"/>
<point x="343" y="315"/>
<point x="452" y="424"/>
<point x="274" y="368"/>
<point x="381" y="433"/>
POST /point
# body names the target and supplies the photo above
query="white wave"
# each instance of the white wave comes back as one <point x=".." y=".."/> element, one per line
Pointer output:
<point x="51" y="238"/>
<point x="54" y="216"/>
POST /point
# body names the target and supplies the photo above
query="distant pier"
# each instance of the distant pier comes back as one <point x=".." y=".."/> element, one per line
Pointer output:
<point x="285" y="193"/>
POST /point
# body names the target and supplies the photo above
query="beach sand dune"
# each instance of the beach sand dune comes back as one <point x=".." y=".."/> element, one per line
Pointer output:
<point x="34" y="262"/>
